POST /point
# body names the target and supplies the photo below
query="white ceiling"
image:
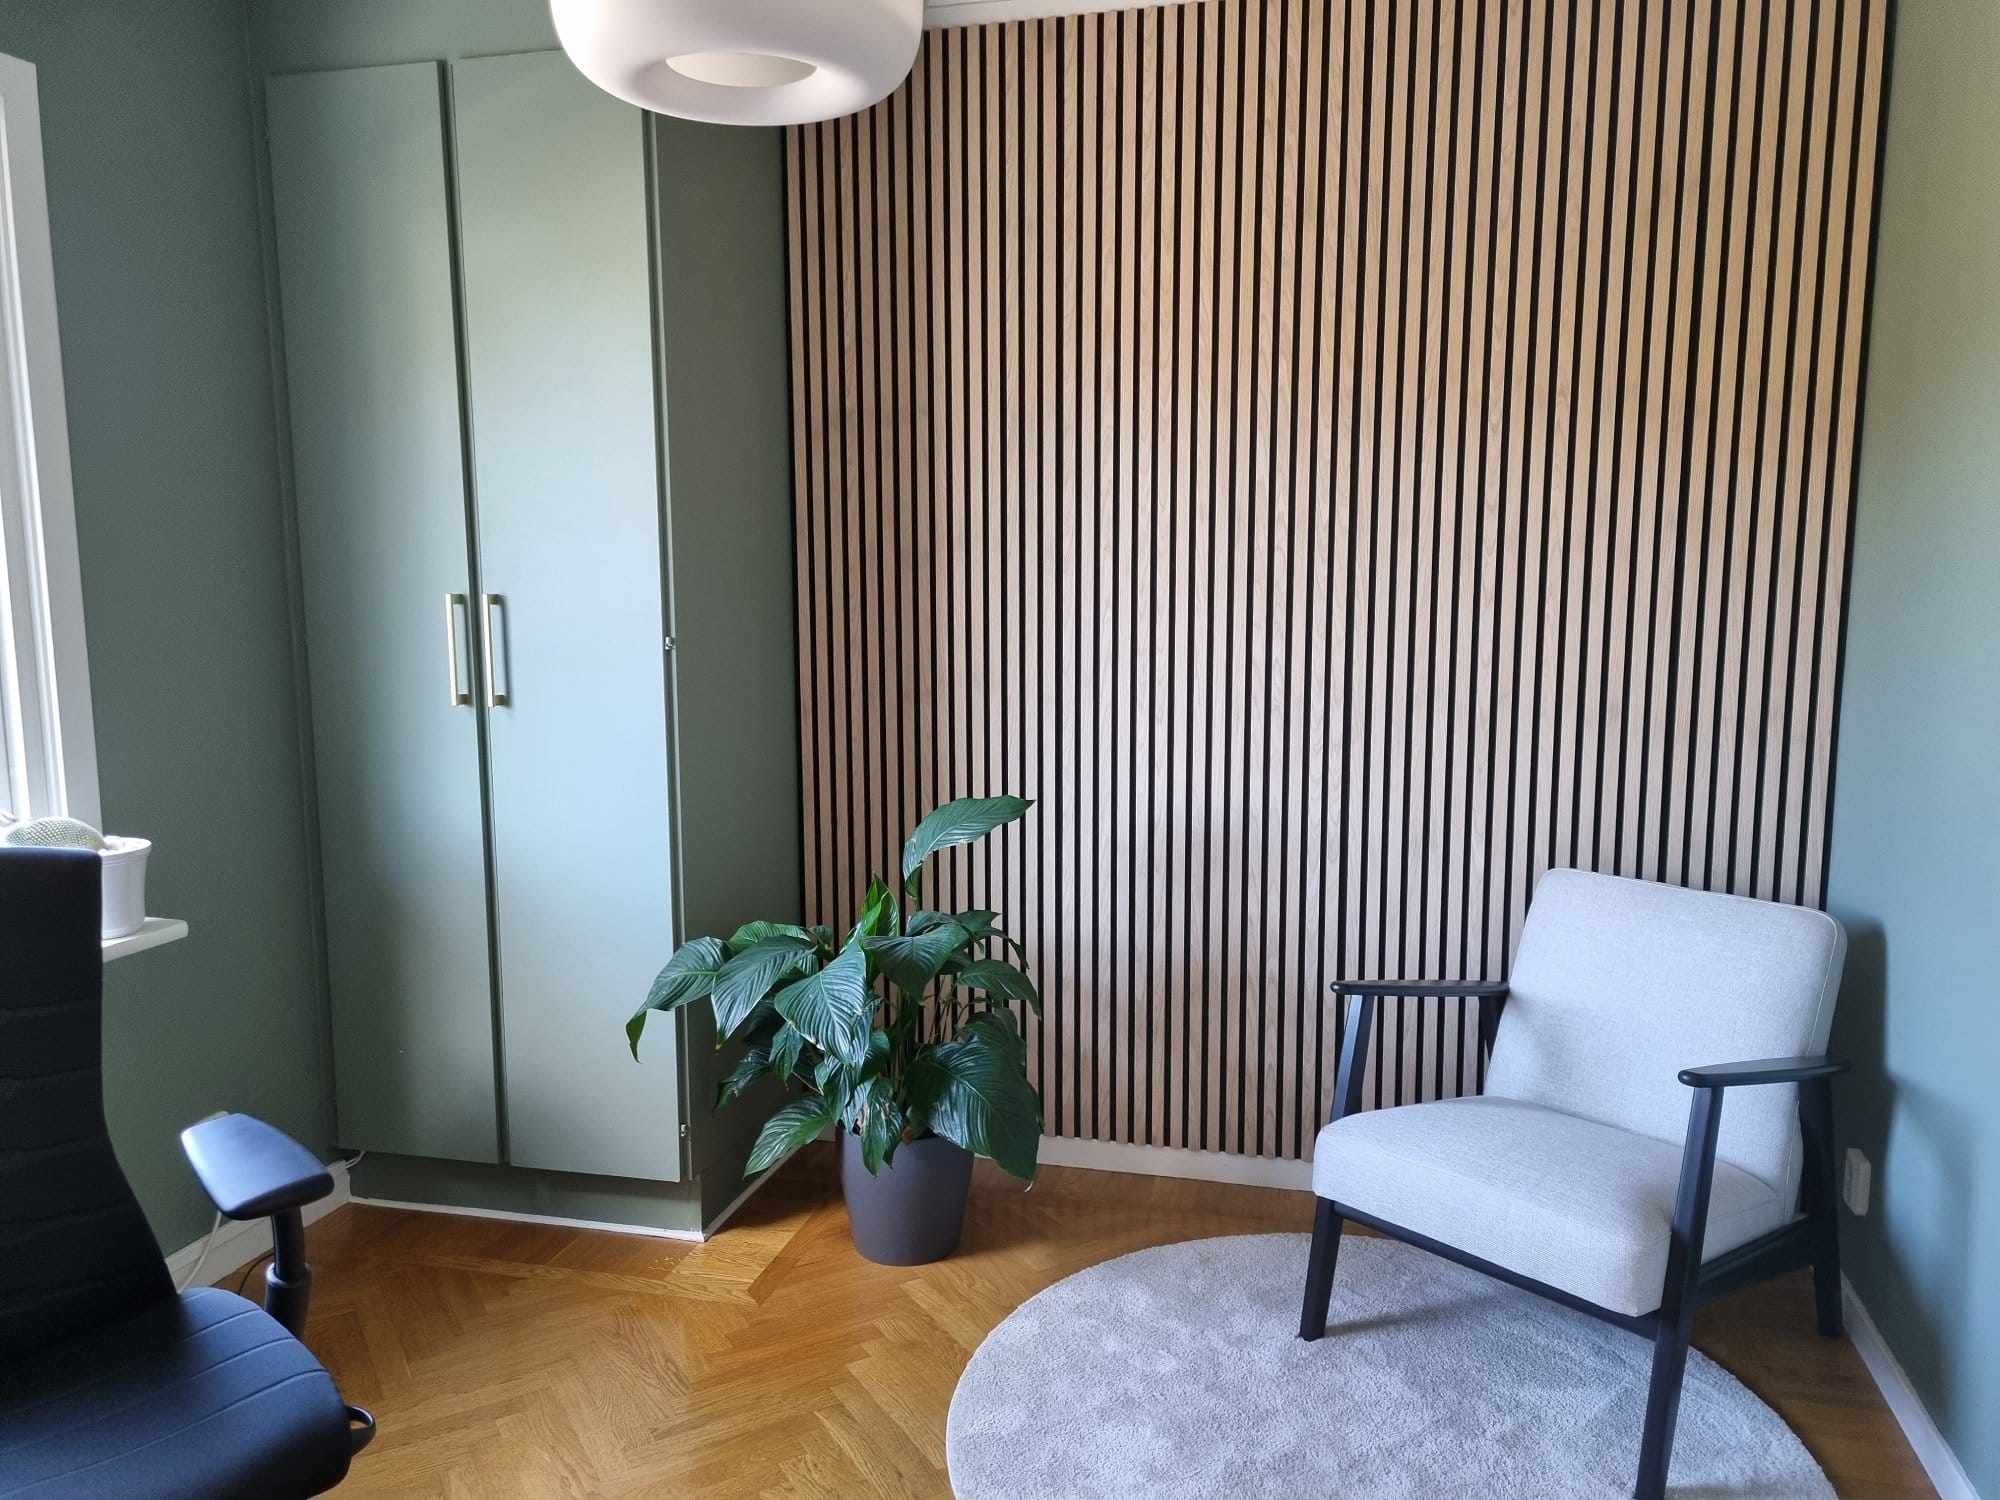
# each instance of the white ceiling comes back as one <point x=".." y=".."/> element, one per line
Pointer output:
<point x="978" y="12"/>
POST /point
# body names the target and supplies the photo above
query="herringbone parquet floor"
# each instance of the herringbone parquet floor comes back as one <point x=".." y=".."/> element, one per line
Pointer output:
<point x="510" y="1360"/>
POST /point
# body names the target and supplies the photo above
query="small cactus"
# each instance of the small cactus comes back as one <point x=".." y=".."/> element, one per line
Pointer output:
<point x="54" y="833"/>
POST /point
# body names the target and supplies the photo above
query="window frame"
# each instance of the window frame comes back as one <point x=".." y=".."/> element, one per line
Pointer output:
<point x="45" y="705"/>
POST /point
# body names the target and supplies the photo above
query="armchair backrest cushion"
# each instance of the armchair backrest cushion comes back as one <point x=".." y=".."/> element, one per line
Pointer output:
<point x="1619" y="984"/>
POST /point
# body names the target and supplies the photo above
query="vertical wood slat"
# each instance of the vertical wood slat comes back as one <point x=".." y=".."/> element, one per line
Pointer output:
<point x="1342" y="458"/>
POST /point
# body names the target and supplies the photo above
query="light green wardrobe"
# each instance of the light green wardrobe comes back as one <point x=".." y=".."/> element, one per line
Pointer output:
<point x="538" y="585"/>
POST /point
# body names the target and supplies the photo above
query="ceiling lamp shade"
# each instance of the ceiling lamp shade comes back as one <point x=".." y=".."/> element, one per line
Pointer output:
<point x="743" y="62"/>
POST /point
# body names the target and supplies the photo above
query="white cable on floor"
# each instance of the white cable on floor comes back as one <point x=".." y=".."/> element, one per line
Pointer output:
<point x="206" y="1246"/>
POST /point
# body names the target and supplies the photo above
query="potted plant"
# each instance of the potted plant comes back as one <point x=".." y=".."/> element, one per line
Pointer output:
<point x="899" y="1034"/>
<point x="122" y="861"/>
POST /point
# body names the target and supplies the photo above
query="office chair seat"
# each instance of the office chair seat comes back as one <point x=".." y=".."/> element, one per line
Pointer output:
<point x="199" y="1395"/>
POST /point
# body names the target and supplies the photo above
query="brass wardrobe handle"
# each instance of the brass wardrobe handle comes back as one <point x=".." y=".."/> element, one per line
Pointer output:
<point x="453" y="603"/>
<point x="495" y="697"/>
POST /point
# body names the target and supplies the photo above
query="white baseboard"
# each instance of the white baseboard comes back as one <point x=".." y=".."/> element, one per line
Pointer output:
<point x="744" y="1197"/>
<point x="1176" y="1161"/>
<point x="695" y="1236"/>
<point x="239" y="1242"/>
<point x="1933" y="1452"/>
<point x="555" y="1220"/>
<point x="1056" y="1151"/>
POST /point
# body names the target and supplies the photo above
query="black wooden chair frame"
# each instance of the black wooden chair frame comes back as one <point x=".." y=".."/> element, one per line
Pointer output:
<point x="1812" y="1240"/>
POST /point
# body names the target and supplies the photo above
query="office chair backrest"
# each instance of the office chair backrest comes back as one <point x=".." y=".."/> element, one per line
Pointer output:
<point x="1619" y="984"/>
<point x="75" y="1251"/>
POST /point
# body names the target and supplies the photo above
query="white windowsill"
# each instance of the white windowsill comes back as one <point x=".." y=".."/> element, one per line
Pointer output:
<point x="157" y="930"/>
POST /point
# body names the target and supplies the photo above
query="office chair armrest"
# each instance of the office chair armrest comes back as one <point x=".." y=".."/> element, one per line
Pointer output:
<point x="1448" y="989"/>
<point x="251" y="1170"/>
<point x="1765" y="1070"/>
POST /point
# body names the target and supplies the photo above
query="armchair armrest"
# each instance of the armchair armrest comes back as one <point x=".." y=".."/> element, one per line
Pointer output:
<point x="1765" y="1070"/>
<point x="1361" y="1021"/>
<point x="1814" y="1076"/>
<point x="251" y="1170"/>
<point x="1491" y="995"/>
<point x="1451" y="988"/>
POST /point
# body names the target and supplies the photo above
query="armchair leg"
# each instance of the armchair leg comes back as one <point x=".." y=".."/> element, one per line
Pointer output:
<point x="1319" y="1270"/>
<point x="1663" y="1407"/>
<point x="1677" y="1295"/>
<point x="1821" y="1200"/>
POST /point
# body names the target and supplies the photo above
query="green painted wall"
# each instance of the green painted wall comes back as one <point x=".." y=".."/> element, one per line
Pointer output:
<point x="1916" y="830"/>
<point x="297" y="36"/>
<point x="159" y="279"/>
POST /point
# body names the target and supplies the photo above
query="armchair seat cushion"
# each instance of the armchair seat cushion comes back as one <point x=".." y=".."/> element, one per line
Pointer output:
<point x="1572" y="1203"/>
<point x="199" y="1395"/>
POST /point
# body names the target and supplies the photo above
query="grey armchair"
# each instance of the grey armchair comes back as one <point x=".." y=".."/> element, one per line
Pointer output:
<point x="1599" y="1167"/>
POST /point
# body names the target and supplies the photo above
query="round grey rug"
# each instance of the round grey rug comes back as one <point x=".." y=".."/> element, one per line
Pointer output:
<point x="1178" y="1371"/>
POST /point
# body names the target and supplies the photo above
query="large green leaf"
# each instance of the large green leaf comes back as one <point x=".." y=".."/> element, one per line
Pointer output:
<point x="751" y="974"/>
<point x="878" y="912"/>
<point x="758" y="932"/>
<point x="836" y="1083"/>
<point x="972" y="1091"/>
<point x="977" y="924"/>
<point x="998" y="1028"/>
<point x="786" y="1048"/>
<point x="880" y="1122"/>
<point x="957" y="822"/>
<point x="688" y="975"/>
<point x="846" y="1088"/>
<point x="912" y="961"/>
<point x="1000" y="979"/>
<point x="761" y="1026"/>
<point x="981" y="927"/>
<point x="749" y="1067"/>
<point x="786" y="1131"/>
<point x="834" y="1007"/>
<point x="878" y="1053"/>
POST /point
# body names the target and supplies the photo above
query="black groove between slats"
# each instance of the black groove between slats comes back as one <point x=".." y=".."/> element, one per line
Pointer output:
<point x="1342" y="459"/>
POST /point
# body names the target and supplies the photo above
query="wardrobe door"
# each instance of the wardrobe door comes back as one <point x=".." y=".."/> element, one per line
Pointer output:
<point x="564" y="413"/>
<point x="371" y="354"/>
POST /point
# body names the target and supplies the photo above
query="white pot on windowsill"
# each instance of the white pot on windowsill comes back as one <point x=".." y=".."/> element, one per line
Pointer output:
<point x="124" y="885"/>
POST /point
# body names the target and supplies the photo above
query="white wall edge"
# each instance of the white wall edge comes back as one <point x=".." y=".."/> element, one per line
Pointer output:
<point x="240" y="1242"/>
<point x="1933" y="1452"/>
<point x="1176" y="1161"/>
<point x="942" y="13"/>
<point x="67" y="728"/>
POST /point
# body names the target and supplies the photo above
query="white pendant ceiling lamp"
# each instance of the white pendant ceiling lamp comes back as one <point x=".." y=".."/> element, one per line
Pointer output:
<point x="743" y="62"/>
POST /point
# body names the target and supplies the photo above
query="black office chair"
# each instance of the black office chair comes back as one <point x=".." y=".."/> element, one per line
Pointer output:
<point x="110" y="1384"/>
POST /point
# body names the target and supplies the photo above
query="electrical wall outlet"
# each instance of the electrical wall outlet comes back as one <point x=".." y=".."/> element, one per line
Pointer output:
<point x="1855" y="1183"/>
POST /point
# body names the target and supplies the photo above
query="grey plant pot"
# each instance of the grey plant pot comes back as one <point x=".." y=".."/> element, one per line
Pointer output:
<point x="910" y="1214"/>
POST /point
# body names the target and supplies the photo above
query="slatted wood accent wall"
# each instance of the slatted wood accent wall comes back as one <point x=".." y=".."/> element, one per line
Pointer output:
<point x="1343" y="458"/>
